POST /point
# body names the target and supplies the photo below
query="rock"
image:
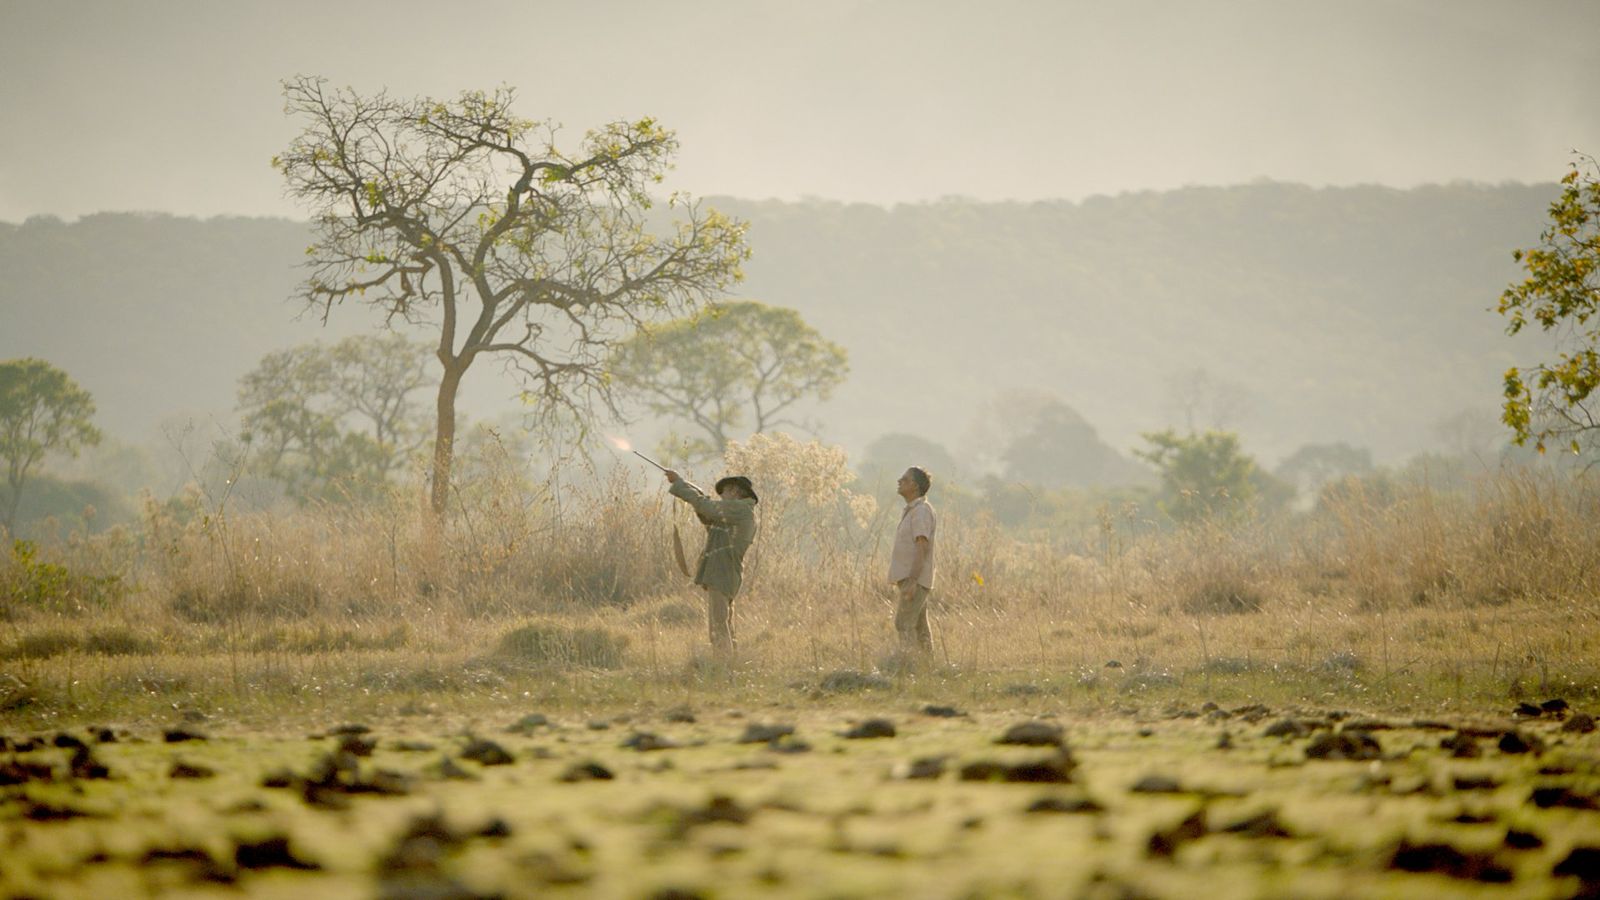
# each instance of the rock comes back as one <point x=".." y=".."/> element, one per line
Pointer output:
<point x="180" y="735"/>
<point x="1064" y="805"/>
<point x="84" y="764"/>
<point x="1033" y="734"/>
<point x="758" y="733"/>
<point x="1113" y="664"/>
<point x="928" y="767"/>
<point x="486" y="753"/>
<point x="1475" y="782"/>
<point x="65" y="740"/>
<point x="788" y="744"/>
<point x="186" y="770"/>
<point x="1288" y="728"/>
<point x="1343" y="745"/>
<point x="1461" y="746"/>
<point x="682" y="715"/>
<point x="103" y="735"/>
<point x="869" y="729"/>
<point x="1448" y="860"/>
<point x="1165" y="842"/>
<point x="1527" y="711"/>
<point x="1515" y="742"/>
<point x="350" y="728"/>
<point x="356" y="745"/>
<point x="528" y="723"/>
<point x="1582" y="862"/>
<point x="1581" y="723"/>
<point x="719" y="808"/>
<point x="1517" y="839"/>
<point x="942" y="712"/>
<point x="268" y="853"/>
<point x="1157" y="784"/>
<point x="446" y="769"/>
<point x="1053" y="769"/>
<point x="586" y="771"/>
<point x="1264" y="824"/>
<point x="1554" y="706"/>
<point x="1225" y="741"/>
<point x="17" y="771"/>
<point x="646" y="741"/>
<point x="1560" y="796"/>
<point x="412" y="746"/>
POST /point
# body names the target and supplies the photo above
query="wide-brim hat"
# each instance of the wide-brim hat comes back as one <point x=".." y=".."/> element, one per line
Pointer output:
<point x="741" y="481"/>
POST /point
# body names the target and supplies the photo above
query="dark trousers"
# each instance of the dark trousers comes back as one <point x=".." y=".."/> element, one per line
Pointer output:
<point x="719" y="615"/>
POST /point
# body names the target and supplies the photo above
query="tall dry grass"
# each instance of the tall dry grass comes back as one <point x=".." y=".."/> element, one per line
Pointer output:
<point x="1484" y="588"/>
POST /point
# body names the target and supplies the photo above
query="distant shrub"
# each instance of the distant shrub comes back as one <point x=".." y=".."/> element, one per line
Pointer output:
<point x="286" y="599"/>
<point x="119" y="641"/>
<point x="549" y="644"/>
<point x="44" y="644"/>
<point x="1223" y="597"/>
<point x="28" y="583"/>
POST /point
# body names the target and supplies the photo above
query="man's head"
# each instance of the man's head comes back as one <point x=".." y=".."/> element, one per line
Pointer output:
<point x="736" y="487"/>
<point x="914" y="483"/>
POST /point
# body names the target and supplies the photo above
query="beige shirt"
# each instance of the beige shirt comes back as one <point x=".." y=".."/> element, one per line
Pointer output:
<point x="917" y="521"/>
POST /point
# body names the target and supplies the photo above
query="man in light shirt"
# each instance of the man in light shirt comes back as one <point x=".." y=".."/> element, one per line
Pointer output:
<point x="911" y="562"/>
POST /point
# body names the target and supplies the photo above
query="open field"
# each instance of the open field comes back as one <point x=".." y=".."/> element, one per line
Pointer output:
<point x="1314" y="706"/>
<point x="801" y="794"/>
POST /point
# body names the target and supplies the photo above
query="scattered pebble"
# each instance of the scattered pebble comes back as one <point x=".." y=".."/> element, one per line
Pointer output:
<point x="871" y="728"/>
<point x="1064" y="805"/>
<point x="1448" y="860"/>
<point x="586" y="771"/>
<point x="942" y="712"/>
<point x="646" y="741"/>
<point x="758" y="733"/>
<point x="1033" y="734"/>
<point x="187" y="770"/>
<point x="485" y="752"/>
<point x="1515" y="742"/>
<point x="1355" y="745"/>
<point x="1581" y="723"/>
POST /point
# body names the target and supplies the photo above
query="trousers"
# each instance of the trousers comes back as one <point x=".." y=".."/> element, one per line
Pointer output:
<point x="911" y="617"/>
<point x="719" y="616"/>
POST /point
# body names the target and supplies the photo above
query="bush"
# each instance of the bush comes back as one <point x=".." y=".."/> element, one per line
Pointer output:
<point x="1223" y="597"/>
<point x="118" y="642"/>
<point x="290" y="599"/>
<point x="43" y="644"/>
<point x="549" y="644"/>
<point x="30" y="583"/>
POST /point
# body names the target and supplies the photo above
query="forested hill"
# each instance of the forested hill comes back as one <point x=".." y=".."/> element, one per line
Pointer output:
<point x="1356" y="314"/>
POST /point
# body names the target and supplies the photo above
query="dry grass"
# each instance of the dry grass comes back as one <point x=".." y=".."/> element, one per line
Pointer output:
<point x="1413" y="593"/>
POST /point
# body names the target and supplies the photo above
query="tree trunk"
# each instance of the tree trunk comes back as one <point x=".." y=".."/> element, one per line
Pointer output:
<point x="445" y="438"/>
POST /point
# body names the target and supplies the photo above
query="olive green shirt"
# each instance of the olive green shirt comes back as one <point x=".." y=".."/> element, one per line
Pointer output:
<point x="730" y="527"/>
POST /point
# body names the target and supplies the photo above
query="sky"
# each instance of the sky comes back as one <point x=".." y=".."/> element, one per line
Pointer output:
<point x="176" y="105"/>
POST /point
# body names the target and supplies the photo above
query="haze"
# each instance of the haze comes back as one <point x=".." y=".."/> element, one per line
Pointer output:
<point x="176" y="107"/>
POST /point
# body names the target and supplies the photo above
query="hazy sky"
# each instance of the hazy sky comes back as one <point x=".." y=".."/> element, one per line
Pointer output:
<point x="175" y="105"/>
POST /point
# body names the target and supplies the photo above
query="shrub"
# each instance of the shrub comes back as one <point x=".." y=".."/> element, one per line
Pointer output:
<point x="119" y="641"/>
<point x="549" y="644"/>
<point x="288" y="599"/>
<point x="44" y="644"/>
<point x="1223" y="597"/>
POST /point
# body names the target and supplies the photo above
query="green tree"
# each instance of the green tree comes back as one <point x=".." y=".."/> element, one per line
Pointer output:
<point x="328" y="420"/>
<point x="1203" y="476"/>
<point x="42" y="410"/>
<point x="460" y="214"/>
<point x="1551" y="402"/>
<point x="1314" y="465"/>
<point x="726" y="366"/>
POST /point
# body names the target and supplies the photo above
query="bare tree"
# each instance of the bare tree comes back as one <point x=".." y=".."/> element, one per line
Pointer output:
<point x="460" y="215"/>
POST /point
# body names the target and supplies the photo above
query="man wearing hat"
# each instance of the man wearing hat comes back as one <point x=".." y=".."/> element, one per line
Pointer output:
<point x="730" y="527"/>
